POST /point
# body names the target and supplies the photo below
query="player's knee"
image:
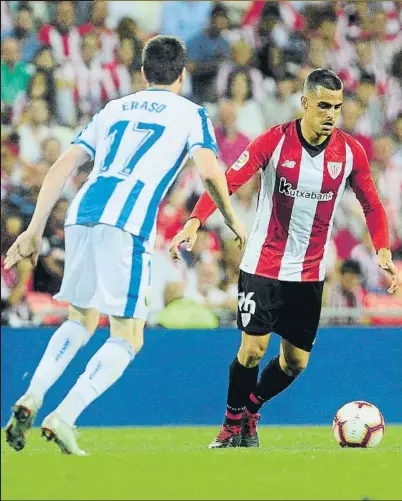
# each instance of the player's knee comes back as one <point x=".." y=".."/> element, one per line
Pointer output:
<point x="250" y="356"/>
<point x="294" y="366"/>
<point x="87" y="317"/>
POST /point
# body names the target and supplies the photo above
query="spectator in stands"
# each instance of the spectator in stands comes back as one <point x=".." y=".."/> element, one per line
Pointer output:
<point x="129" y="53"/>
<point x="373" y="278"/>
<point x="270" y="31"/>
<point x="49" y="272"/>
<point x="327" y="48"/>
<point x="178" y="19"/>
<point x="44" y="60"/>
<point x="281" y="106"/>
<point x="22" y="200"/>
<point x="231" y="142"/>
<point x="11" y="169"/>
<point x="389" y="183"/>
<point x="107" y="39"/>
<point x="250" y="119"/>
<point x="351" y="113"/>
<point x="14" y="309"/>
<point x="24" y="32"/>
<point x="244" y="202"/>
<point x="206" y="52"/>
<point x="372" y="120"/>
<point x="385" y="46"/>
<point x="242" y="58"/>
<point x="14" y="78"/>
<point x="368" y="62"/>
<point x="127" y="28"/>
<point x="394" y="89"/>
<point x="50" y="150"/>
<point x="35" y="129"/>
<point x="347" y="291"/>
<point x="42" y="85"/>
<point x="62" y="35"/>
<point x="206" y="290"/>
<point x="270" y="41"/>
<point x="397" y="156"/>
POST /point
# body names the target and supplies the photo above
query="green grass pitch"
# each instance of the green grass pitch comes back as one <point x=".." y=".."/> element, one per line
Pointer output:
<point x="174" y="463"/>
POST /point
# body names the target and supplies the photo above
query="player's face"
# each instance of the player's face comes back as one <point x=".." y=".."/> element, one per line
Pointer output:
<point x="322" y="109"/>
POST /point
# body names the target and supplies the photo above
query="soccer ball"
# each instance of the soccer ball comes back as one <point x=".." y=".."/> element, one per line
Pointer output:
<point x="358" y="424"/>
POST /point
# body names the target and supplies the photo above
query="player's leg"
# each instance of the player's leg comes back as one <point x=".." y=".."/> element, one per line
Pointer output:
<point x="61" y="349"/>
<point x="122" y="268"/>
<point x="297" y="323"/>
<point x="243" y="374"/>
<point x="106" y="366"/>
<point x="255" y="318"/>
<point x="278" y="374"/>
<point x="67" y="339"/>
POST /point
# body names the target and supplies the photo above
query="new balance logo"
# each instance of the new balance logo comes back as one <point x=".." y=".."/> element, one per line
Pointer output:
<point x="286" y="189"/>
<point x="246" y="306"/>
<point x="289" y="163"/>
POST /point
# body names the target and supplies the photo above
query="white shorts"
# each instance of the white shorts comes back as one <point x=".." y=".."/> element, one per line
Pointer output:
<point x="108" y="269"/>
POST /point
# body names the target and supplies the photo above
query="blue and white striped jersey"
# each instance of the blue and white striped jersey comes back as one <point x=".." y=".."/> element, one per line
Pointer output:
<point x="139" y="144"/>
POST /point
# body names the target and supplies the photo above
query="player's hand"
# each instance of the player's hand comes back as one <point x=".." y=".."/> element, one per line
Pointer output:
<point x="239" y="230"/>
<point x="187" y="234"/>
<point x="27" y="246"/>
<point x="385" y="263"/>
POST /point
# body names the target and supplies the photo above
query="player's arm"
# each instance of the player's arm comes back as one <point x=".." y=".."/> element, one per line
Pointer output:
<point x="215" y="183"/>
<point x="29" y="242"/>
<point x="376" y="218"/>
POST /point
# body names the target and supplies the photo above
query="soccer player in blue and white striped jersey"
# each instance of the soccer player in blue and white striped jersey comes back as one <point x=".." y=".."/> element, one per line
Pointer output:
<point x="139" y="143"/>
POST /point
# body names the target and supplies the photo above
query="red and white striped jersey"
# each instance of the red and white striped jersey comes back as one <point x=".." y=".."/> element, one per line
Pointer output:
<point x="65" y="46"/>
<point x="298" y="198"/>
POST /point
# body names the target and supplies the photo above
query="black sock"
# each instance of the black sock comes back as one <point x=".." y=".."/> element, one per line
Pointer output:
<point x="272" y="381"/>
<point x="242" y="381"/>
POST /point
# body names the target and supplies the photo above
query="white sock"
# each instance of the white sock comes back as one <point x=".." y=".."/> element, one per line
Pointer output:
<point x="103" y="370"/>
<point x="62" y="347"/>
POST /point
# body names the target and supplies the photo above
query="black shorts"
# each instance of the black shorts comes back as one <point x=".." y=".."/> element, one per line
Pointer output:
<point x="290" y="309"/>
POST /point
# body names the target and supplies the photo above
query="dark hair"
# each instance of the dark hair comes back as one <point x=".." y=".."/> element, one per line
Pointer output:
<point x="367" y="78"/>
<point x="271" y="10"/>
<point x="24" y="6"/>
<point x="232" y="76"/>
<point x="163" y="58"/>
<point x="351" y="266"/>
<point x="50" y="93"/>
<point x="322" y="78"/>
<point x="219" y="10"/>
<point x="327" y="14"/>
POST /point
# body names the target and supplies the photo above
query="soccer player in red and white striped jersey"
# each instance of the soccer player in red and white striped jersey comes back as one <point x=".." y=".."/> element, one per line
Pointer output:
<point x="304" y="167"/>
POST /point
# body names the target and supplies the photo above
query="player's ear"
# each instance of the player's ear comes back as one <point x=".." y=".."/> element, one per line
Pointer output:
<point x="304" y="103"/>
<point x="182" y="75"/>
<point x="143" y="74"/>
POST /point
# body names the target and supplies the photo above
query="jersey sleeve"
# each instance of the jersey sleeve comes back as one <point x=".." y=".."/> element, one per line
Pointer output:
<point x="254" y="158"/>
<point x="202" y="134"/>
<point x="88" y="136"/>
<point x="363" y="185"/>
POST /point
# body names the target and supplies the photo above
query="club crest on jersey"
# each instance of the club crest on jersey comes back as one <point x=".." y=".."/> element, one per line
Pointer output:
<point x="334" y="169"/>
<point x="242" y="160"/>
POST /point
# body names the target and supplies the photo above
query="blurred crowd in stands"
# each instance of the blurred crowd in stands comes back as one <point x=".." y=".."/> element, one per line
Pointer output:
<point x="62" y="61"/>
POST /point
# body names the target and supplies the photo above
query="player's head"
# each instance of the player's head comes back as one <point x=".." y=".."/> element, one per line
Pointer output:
<point x="322" y="101"/>
<point x="163" y="62"/>
<point x="351" y="275"/>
